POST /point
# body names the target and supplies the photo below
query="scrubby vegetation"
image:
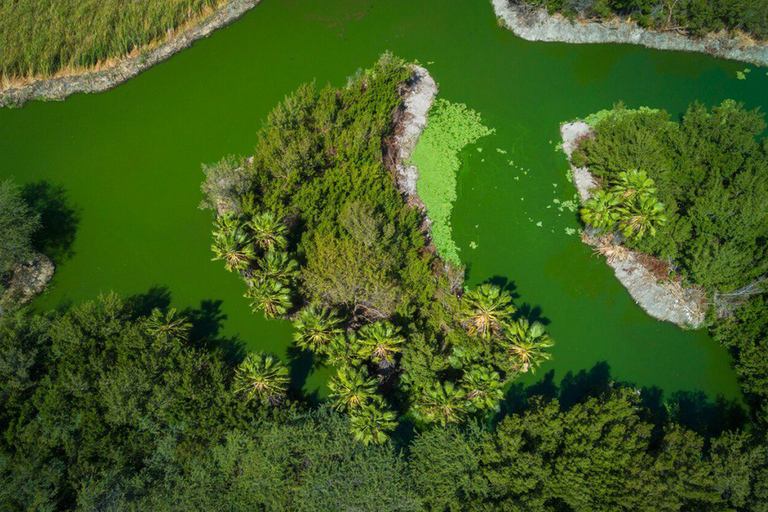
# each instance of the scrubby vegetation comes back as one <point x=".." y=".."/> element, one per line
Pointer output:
<point x="319" y="232"/>
<point x="129" y="405"/>
<point x="697" y="17"/>
<point x="40" y="38"/>
<point x="18" y="223"/>
<point x="451" y="128"/>
<point x="701" y="185"/>
<point x="705" y="181"/>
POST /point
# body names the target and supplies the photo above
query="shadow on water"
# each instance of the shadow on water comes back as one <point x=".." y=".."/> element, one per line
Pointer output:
<point x="207" y="321"/>
<point x="301" y="364"/>
<point x="691" y="409"/>
<point x="58" y="219"/>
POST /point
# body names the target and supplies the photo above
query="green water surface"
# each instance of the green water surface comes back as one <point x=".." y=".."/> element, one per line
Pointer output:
<point x="130" y="161"/>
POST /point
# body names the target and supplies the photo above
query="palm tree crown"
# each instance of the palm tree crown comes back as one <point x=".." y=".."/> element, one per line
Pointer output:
<point x="316" y="328"/>
<point x="170" y="324"/>
<point x="352" y="388"/>
<point x="486" y="309"/>
<point x="483" y="387"/>
<point x="273" y="297"/>
<point x="601" y="211"/>
<point x="268" y="231"/>
<point x="380" y="342"/>
<point x="526" y="344"/>
<point x="371" y="424"/>
<point x="442" y="403"/>
<point x="263" y="377"/>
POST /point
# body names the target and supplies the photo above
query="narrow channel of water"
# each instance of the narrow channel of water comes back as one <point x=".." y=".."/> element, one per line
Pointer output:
<point x="130" y="161"/>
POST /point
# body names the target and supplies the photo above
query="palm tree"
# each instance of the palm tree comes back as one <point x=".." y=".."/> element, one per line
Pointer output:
<point x="342" y="350"/>
<point x="371" y="424"/>
<point x="483" y="387"/>
<point x="170" y="324"/>
<point x="263" y="377"/>
<point x="486" y="309"/>
<point x="630" y="184"/>
<point x="601" y="211"/>
<point x="268" y="231"/>
<point x="273" y="297"/>
<point x="315" y="329"/>
<point x="352" y="388"/>
<point x="525" y="344"/>
<point x="234" y="247"/>
<point x="442" y="402"/>
<point x="642" y="217"/>
<point x="226" y="224"/>
<point x="380" y="342"/>
<point x="278" y="266"/>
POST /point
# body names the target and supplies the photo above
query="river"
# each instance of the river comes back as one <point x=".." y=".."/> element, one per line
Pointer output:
<point x="130" y="162"/>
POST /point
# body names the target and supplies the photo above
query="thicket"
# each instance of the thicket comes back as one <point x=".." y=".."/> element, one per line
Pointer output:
<point x="129" y="405"/>
<point x="39" y="37"/>
<point x="709" y="172"/>
<point x="18" y="223"/>
<point x="316" y="227"/>
<point x="697" y="17"/>
<point x="451" y="128"/>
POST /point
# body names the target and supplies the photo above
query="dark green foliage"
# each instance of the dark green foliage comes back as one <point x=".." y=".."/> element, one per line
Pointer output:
<point x="39" y="37"/>
<point x="599" y="455"/>
<point x="699" y="17"/>
<point x="90" y="395"/>
<point x="711" y="174"/>
<point x="18" y="224"/>
<point x="103" y="408"/>
<point x="746" y="335"/>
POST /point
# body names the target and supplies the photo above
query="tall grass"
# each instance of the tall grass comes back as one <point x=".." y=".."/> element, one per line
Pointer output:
<point x="450" y="128"/>
<point x="41" y="37"/>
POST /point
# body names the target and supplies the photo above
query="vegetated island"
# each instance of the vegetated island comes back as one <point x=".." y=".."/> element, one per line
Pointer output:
<point x="680" y="211"/>
<point x="24" y="271"/>
<point x="729" y="29"/>
<point x="91" y="46"/>
<point x="323" y="225"/>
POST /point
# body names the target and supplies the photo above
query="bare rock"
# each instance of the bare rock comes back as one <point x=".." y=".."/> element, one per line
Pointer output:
<point x="29" y="280"/>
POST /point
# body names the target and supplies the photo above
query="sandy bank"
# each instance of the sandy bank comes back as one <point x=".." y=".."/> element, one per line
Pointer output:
<point x="537" y="25"/>
<point x="661" y="297"/>
<point x="97" y="81"/>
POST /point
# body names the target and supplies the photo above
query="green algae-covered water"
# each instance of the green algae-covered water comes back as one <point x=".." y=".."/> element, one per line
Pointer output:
<point x="130" y="162"/>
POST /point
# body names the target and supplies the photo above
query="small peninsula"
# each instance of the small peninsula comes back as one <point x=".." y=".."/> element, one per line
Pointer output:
<point x="325" y="227"/>
<point x="736" y="31"/>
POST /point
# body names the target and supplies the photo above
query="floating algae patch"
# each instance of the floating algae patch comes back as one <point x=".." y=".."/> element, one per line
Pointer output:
<point x="450" y="128"/>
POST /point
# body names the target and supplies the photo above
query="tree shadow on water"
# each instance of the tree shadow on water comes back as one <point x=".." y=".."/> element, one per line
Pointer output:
<point x="693" y="410"/>
<point x="58" y="219"/>
<point x="157" y="297"/>
<point x="301" y="364"/>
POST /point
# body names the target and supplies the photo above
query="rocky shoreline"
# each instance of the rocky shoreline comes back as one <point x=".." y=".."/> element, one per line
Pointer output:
<point x="59" y="88"/>
<point x="28" y="281"/>
<point x="538" y="25"/>
<point x="662" y="298"/>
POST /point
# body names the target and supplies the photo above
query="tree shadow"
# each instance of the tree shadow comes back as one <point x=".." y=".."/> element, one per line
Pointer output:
<point x="142" y="304"/>
<point x="301" y="363"/>
<point x="505" y="284"/>
<point x="693" y="410"/>
<point x="58" y="219"/>
<point x="532" y="314"/>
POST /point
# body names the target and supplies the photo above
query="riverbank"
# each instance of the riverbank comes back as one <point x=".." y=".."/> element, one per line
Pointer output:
<point x="407" y="126"/>
<point x="89" y="81"/>
<point x="538" y="25"/>
<point x="645" y="278"/>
